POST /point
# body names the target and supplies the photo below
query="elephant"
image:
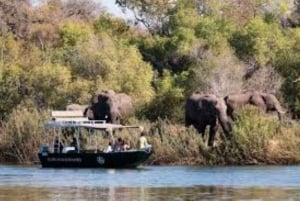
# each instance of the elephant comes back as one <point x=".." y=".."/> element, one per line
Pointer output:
<point x="110" y="106"/>
<point x="265" y="102"/>
<point x="76" y="107"/>
<point x="202" y="110"/>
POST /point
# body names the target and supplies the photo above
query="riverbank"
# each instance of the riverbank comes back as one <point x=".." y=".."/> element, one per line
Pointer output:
<point x="256" y="139"/>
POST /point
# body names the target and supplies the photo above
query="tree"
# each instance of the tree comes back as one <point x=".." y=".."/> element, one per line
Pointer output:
<point x="15" y="16"/>
<point x="260" y="41"/>
<point x="218" y="74"/>
<point x="153" y="14"/>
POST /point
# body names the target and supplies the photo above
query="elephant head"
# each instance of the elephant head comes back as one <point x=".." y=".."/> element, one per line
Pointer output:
<point x="202" y="110"/>
<point x="265" y="102"/>
<point x="111" y="106"/>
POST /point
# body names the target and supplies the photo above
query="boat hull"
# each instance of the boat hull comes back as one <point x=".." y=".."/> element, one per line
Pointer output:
<point x="126" y="159"/>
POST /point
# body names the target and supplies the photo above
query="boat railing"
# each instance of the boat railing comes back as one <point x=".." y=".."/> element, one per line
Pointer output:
<point x="70" y="119"/>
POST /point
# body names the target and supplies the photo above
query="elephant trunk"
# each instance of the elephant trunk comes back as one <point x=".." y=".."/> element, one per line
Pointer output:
<point x="226" y="126"/>
<point x="280" y="111"/>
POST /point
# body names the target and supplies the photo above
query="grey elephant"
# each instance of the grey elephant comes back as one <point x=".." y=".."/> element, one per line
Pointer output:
<point x="265" y="102"/>
<point x="76" y="107"/>
<point x="110" y="106"/>
<point x="202" y="110"/>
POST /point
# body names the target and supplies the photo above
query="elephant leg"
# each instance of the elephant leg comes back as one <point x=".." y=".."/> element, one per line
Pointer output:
<point x="212" y="132"/>
<point x="188" y="120"/>
<point x="259" y="102"/>
<point x="279" y="116"/>
<point x="280" y="112"/>
<point x="201" y="128"/>
<point x="230" y="113"/>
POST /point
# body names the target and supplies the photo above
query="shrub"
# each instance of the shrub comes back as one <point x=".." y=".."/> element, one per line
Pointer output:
<point x="22" y="134"/>
<point x="261" y="138"/>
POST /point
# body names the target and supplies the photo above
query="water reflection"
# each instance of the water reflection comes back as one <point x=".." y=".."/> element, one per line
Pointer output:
<point x="150" y="183"/>
<point x="147" y="194"/>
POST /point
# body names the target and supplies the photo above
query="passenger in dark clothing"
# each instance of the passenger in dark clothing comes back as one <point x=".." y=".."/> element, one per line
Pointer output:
<point x="58" y="146"/>
<point x="118" y="145"/>
<point x="74" y="144"/>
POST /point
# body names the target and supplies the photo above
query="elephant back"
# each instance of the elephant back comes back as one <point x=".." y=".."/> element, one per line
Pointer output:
<point x="112" y="107"/>
<point x="75" y="107"/>
<point x="122" y="105"/>
<point x="238" y="99"/>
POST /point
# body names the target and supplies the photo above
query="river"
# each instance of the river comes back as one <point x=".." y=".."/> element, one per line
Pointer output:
<point x="153" y="183"/>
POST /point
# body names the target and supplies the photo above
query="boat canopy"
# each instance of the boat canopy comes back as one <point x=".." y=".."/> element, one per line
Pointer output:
<point x="75" y="119"/>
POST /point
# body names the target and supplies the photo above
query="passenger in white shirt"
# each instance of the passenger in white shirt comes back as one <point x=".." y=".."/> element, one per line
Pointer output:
<point x="143" y="143"/>
<point x="109" y="148"/>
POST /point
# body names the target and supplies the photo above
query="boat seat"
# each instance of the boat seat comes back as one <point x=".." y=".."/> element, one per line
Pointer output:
<point x="68" y="149"/>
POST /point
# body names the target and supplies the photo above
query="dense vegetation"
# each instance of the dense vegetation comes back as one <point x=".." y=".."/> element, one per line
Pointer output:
<point x="60" y="51"/>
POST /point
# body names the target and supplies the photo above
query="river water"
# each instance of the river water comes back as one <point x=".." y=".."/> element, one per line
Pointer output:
<point x="150" y="183"/>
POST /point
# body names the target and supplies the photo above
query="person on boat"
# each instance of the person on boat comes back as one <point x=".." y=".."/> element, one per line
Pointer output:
<point x="57" y="146"/>
<point x="108" y="148"/>
<point x="118" y="145"/>
<point x="74" y="144"/>
<point x="125" y="146"/>
<point x="143" y="143"/>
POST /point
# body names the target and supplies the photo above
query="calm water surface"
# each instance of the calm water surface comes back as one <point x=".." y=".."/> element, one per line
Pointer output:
<point x="151" y="183"/>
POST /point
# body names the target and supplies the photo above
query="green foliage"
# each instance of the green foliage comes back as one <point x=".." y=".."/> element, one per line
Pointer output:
<point x="80" y="91"/>
<point x="154" y="15"/>
<point x="169" y="98"/>
<point x="252" y="132"/>
<point x="186" y="16"/>
<point x="9" y="49"/>
<point x="48" y="84"/>
<point x="182" y="41"/>
<point x="72" y="33"/>
<point x="112" y="26"/>
<point x="263" y="139"/>
<point x="10" y="86"/>
<point x="175" y="144"/>
<point x="22" y="134"/>
<point x="287" y="64"/>
<point x="215" y="32"/>
<point x="260" y="41"/>
<point x="113" y="65"/>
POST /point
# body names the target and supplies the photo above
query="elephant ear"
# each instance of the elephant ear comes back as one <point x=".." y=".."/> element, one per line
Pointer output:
<point x="94" y="99"/>
<point x="214" y="102"/>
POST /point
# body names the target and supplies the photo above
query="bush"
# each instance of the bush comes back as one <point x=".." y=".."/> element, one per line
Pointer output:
<point x="263" y="139"/>
<point x="22" y="134"/>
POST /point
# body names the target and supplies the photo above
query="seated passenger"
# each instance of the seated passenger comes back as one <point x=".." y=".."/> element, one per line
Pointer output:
<point x="118" y="145"/>
<point x="125" y="146"/>
<point x="143" y="143"/>
<point x="109" y="148"/>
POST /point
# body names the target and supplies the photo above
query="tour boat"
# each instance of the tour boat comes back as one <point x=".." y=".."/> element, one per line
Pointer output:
<point x="58" y="155"/>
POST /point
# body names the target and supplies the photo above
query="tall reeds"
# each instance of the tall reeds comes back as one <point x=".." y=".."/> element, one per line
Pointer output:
<point x="21" y="135"/>
<point x="262" y="138"/>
